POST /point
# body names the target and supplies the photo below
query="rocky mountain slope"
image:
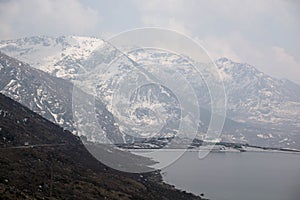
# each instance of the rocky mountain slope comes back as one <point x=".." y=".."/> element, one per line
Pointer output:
<point x="59" y="57"/>
<point x="49" y="96"/>
<point x="39" y="160"/>
<point x="252" y="96"/>
<point x="256" y="97"/>
<point x="263" y="109"/>
<point x="260" y="109"/>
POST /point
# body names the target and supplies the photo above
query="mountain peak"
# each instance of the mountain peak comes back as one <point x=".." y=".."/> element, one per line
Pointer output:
<point x="229" y="65"/>
<point x="58" y="56"/>
<point x="223" y="59"/>
<point x="224" y="62"/>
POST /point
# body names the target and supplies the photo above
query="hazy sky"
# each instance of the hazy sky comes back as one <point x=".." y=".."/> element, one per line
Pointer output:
<point x="263" y="33"/>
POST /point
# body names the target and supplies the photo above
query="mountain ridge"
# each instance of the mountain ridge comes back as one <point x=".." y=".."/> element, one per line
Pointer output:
<point x="254" y="98"/>
<point x="47" y="95"/>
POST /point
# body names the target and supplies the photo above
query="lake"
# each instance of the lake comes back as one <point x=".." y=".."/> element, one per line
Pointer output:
<point x="238" y="176"/>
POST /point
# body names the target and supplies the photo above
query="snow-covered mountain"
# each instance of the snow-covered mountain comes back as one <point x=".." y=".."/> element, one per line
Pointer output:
<point x="51" y="97"/>
<point x="59" y="57"/>
<point x="252" y="96"/>
<point x="262" y="108"/>
<point x="256" y="97"/>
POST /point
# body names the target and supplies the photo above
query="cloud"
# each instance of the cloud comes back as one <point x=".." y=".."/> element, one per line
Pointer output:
<point x="262" y="33"/>
<point x="197" y="14"/>
<point x="291" y="67"/>
<point x="164" y="14"/>
<point x="273" y="60"/>
<point x="47" y="17"/>
<point x="245" y="31"/>
<point x="219" y="47"/>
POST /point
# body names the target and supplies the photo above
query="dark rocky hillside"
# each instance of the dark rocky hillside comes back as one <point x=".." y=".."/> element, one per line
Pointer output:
<point x="39" y="160"/>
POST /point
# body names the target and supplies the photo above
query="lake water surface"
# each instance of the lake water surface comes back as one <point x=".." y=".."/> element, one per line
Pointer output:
<point x="238" y="176"/>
